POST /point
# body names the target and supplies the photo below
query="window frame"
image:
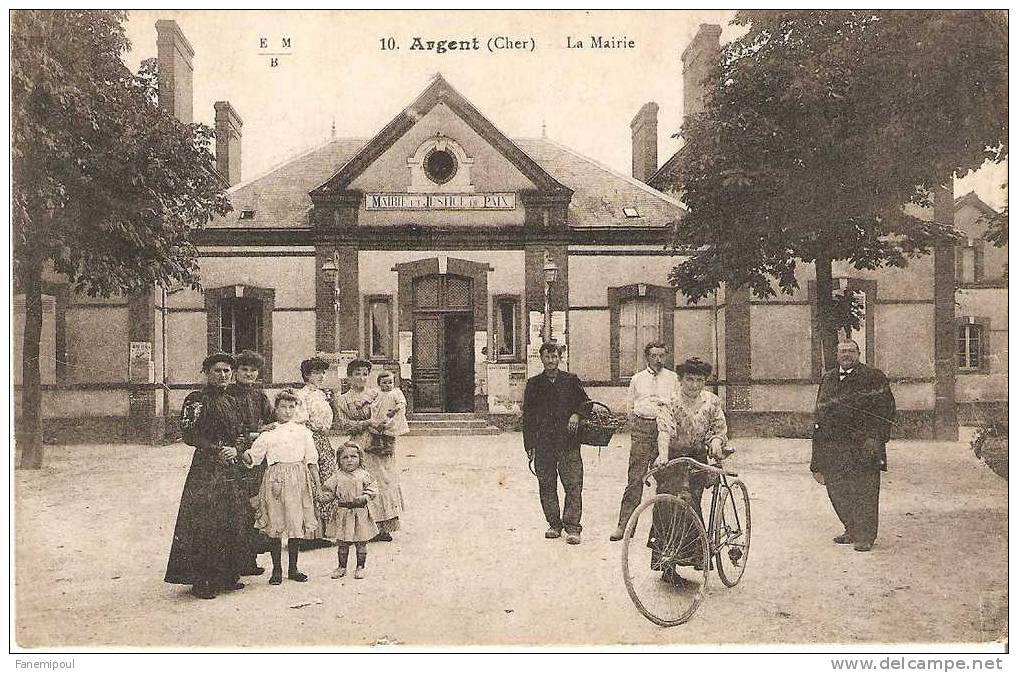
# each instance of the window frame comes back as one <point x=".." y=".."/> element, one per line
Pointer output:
<point x="496" y="324"/>
<point x="976" y="245"/>
<point x="983" y="344"/>
<point x="229" y="305"/>
<point x="214" y="298"/>
<point x="390" y="347"/>
<point x="617" y="296"/>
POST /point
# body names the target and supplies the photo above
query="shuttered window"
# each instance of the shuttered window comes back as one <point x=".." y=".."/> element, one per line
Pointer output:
<point x="639" y="323"/>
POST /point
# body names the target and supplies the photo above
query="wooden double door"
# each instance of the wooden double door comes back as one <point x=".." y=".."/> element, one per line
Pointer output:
<point x="443" y="344"/>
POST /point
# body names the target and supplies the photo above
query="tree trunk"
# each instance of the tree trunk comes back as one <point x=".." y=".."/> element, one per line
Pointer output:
<point x="828" y="330"/>
<point x="29" y="432"/>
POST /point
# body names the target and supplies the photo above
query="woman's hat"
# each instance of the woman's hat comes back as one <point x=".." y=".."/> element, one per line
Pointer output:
<point x="694" y="366"/>
<point x="313" y="364"/>
<point x="207" y="363"/>
<point x="249" y="358"/>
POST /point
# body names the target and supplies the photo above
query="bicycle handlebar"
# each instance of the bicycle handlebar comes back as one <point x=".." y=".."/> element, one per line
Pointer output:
<point x="692" y="462"/>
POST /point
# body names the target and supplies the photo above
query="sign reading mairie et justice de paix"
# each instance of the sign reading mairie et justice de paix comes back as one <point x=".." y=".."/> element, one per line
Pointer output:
<point x="478" y="201"/>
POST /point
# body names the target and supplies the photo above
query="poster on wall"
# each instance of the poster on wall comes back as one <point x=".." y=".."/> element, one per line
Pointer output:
<point x="558" y="333"/>
<point x="337" y="367"/>
<point x="480" y="361"/>
<point x="534" y="342"/>
<point x="140" y="367"/>
<point x="505" y="388"/>
<point x="406" y="354"/>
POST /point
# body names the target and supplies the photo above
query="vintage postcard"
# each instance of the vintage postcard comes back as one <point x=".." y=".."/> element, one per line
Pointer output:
<point x="510" y="329"/>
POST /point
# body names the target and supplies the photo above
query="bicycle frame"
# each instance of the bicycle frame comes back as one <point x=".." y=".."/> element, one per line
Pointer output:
<point x="722" y="475"/>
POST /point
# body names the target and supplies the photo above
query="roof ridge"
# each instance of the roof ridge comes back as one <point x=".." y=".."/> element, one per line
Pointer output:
<point x="283" y="163"/>
<point x="973" y="198"/>
<point x="633" y="181"/>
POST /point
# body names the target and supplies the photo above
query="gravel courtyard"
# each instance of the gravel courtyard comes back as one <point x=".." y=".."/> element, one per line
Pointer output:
<point x="471" y="566"/>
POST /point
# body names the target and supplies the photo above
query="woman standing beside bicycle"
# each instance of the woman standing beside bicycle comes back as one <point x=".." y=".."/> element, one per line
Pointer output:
<point x="695" y="422"/>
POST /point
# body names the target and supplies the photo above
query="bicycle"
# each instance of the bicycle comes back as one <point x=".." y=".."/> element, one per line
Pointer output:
<point x="667" y="553"/>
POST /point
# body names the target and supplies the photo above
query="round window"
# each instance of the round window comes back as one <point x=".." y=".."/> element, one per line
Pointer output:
<point x="440" y="166"/>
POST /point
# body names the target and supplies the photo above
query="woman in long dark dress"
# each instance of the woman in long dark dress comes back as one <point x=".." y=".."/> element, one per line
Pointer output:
<point x="256" y="415"/>
<point x="208" y="550"/>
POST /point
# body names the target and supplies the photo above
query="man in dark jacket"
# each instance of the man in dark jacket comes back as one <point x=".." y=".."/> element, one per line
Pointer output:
<point x="553" y="403"/>
<point x="854" y="412"/>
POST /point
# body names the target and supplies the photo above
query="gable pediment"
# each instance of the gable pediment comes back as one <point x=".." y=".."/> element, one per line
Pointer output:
<point x="441" y="154"/>
<point x="482" y="151"/>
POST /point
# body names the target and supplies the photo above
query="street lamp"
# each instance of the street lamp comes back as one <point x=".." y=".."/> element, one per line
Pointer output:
<point x="550" y="276"/>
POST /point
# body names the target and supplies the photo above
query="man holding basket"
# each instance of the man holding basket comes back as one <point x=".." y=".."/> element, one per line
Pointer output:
<point x="553" y="403"/>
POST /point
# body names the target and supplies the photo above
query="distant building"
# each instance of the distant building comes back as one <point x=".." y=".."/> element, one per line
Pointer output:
<point x="981" y="315"/>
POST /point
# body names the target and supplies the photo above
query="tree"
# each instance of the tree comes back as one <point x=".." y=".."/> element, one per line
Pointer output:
<point x="106" y="187"/>
<point x="821" y="131"/>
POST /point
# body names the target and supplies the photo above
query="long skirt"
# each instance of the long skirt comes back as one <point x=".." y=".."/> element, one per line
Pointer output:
<point x="666" y="525"/>
<point x="209" y="538"/>
<point x="327" y="467"/>
<point x="285" y="507"/>
<point x="386" y="507"/>
<point x="256" y="541"/>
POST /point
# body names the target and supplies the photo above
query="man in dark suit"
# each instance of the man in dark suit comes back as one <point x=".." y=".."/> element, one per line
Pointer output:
<point x="553" y="403"/>
<point x="854" y="412"/>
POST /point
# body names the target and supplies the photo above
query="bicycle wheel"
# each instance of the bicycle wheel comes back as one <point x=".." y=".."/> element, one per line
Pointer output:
<point x="731" y="531"/>
<point x="664" y="560"/>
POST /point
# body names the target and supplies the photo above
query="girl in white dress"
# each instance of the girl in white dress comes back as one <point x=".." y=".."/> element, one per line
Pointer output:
<point x="285" y="503"/>
<point x="349" y="489"/>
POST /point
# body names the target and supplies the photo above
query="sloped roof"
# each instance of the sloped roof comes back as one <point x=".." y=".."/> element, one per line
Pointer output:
<point x="599" y="192"/>
<point x="664" y="177"/>
<point x="972" y="199"/>
<point x="279" y="198"/>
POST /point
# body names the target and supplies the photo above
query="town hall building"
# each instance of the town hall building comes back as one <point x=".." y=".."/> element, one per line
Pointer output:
<point x="446" y="252"/>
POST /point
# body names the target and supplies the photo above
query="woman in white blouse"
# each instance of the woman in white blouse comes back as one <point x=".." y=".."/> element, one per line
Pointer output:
<point x="696" y="425"/>
<point x="316" y="411"/>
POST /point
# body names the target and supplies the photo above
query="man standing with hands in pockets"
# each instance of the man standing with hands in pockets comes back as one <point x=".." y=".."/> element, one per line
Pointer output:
<point x="649" y="390"/>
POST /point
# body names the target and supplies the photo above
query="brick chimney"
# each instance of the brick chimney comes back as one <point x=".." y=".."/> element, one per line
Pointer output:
<point x="175" y="70"/>
<point x="697" y="60"/>
<point x="228" y="125"/>
<point x="644" y="127"/>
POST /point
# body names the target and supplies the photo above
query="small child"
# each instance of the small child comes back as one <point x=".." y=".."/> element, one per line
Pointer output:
<point x="349" y="522"/>
<point x="285" y="504"/>
<point x="390" y="407"/>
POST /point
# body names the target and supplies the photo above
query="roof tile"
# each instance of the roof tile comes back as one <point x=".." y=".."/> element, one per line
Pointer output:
<point x="279" y="198"/>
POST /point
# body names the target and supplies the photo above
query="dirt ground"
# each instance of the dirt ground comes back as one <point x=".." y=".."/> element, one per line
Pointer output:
<point x="471" y="566"/>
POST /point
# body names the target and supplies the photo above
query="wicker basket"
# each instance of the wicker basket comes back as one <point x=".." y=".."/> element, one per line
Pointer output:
<point x="597" y="429"/>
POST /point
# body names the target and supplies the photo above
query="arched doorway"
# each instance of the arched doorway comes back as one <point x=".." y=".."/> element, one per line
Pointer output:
<point x="443" y="343"/>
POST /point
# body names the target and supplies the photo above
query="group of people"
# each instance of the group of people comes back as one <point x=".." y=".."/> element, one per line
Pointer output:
<point x="266" y="471"/>
<point x="672" y="415"/>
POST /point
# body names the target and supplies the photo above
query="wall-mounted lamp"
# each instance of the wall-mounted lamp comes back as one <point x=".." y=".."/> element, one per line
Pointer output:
<point x="550" y="277"/>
